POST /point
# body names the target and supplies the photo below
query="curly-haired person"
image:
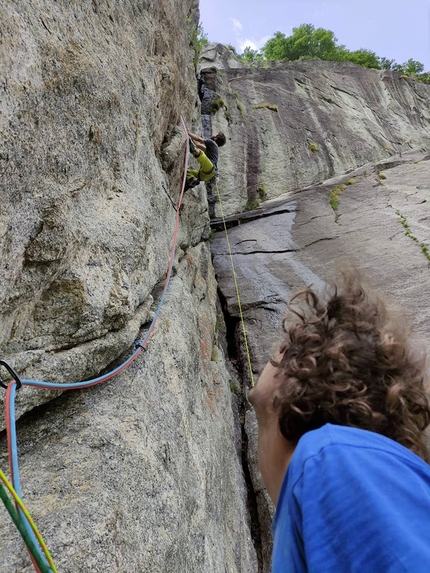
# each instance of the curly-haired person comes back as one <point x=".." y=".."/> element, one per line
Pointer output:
<point x="341" y="411"/>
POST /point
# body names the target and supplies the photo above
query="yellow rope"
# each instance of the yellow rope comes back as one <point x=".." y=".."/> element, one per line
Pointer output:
<point x="236" y="286"/>
<point x="30" y="521"/>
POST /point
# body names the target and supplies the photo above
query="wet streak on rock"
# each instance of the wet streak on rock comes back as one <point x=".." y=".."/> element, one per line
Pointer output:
<point x="252" y="161"/>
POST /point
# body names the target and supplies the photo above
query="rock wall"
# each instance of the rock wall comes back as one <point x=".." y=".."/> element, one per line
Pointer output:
<point x="86" y="112"/>
<point x="140" y="473"/>
<point x="381" y="226"/>
<point x="144" y="472"/>
<point x="295" y="124"/>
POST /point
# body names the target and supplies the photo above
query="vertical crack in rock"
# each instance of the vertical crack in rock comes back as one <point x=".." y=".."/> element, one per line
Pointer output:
<point x="207" y="86"/>
<point x="234" y="355"/>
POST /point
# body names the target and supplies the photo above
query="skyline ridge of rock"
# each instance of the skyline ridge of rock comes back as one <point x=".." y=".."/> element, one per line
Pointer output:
<point x="294" y="124"/>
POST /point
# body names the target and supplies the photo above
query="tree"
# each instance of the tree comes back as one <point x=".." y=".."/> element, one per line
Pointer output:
<point x="412" y="67"/>
<point x="202" y="37"/>
<point x="386" y="64"/>
<point x="276" y="47"/>
<point x="363" y="57"/>
<point x="250" y="56"/>
<point x="308" y="42"/>
<point x="425" y="78"/>
<point x="305" y="42"/>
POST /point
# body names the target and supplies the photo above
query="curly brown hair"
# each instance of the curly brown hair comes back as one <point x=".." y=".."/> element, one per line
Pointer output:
<point x="345" y="362"/>
<point x="220" y="139"/>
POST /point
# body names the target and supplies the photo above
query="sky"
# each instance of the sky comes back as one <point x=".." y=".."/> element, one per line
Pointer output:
<point x="394" y="29"/>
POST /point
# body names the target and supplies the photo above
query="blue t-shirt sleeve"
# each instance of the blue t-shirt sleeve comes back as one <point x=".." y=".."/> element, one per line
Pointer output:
<point x="355" y="510"/>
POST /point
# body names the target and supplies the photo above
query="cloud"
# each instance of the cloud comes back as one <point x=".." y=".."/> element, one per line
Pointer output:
<point x="252" y="44"/>
<point x="237" y="26"/>
<point x="245" y="43"/>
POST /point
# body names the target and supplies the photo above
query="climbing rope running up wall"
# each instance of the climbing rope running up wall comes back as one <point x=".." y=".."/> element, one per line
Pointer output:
<point x="239" y="304"/>
<point x="39" y="553"/>
<point x="36" y="557"/>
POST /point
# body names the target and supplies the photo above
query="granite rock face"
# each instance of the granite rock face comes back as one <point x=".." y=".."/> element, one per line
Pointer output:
<point x="296" y="124"/>
<point x="140" y="473"/>
<point x="91" y="97"/>
<point x="381" y="226"/>
<point x="144" y="473"/>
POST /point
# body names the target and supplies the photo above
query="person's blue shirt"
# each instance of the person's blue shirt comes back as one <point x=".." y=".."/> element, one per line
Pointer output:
<point x="352" y="501"/>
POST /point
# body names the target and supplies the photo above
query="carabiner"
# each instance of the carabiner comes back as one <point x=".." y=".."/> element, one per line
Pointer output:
<point x="12" y="373"/>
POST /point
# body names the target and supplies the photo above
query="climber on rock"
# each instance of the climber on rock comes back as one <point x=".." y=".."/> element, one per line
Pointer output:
<point x="206" y="153"/>
<point x="341" y="410"/>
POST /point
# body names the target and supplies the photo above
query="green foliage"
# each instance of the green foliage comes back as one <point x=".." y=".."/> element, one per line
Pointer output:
<point x="231" y="48"/>
<point x="198" y="38"/>
<point x="217" y="104"/>
<point x="335" y="196"/>
<point x="250" y="56"/>
<point x="362" y="57"/>
<point x="214" y="355"/>
<point x="235" y="388"/>
<point x="262" y="191"/>
<point x="381" y="176"/>
<point x="251" y="205"/>
<point x="412" y="68"/>
<point x="307" y="42"/>
<point x="241" y="108"/>
<point x="313" y="147"/>
<point x="266" y="105"/>
<point x="403" y="221"/>
<point x="276" y="48"/>
<point x="386" y="64"/>
<point x="425" y="78"/>
<point x="351" y="181"/>
<point x="202" y="38"/>
<point x="217" y="326"/>
<point x="304" y="42"/>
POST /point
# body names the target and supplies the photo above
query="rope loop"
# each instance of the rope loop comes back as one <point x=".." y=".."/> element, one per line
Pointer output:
<point x="12" y="373"/>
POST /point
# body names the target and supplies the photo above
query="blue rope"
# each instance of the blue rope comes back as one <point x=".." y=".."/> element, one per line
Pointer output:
<point x="77" y="385"/>
<point x="16" y="476"/>
<point x="93" y="381"/>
